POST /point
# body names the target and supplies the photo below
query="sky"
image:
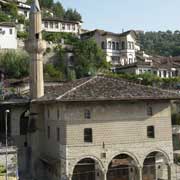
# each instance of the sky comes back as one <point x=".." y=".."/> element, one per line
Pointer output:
<point x="118" y="15"/>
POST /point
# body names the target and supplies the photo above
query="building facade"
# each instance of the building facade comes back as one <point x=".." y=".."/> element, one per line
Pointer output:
<point x="8" y="36"/>
<point x="120" y="49"/>
<point x="163" y="67"/>
<point x="56" y="25"/>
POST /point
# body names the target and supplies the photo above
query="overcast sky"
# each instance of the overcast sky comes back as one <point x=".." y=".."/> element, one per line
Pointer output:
<point x="115" y="15"/>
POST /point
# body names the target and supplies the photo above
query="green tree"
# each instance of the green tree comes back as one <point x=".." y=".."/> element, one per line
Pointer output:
<point x="16" y="64"/>
<point x="58" y="10"/>
<point x="46" y="3"/>
<point x="72" y="15"/>
<point x="4" y="17"/>
<point x="88" y="58"/>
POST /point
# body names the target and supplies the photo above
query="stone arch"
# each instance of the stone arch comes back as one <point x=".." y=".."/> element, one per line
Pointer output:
<point x="123" y="152"/>
<point x="160" y="151"/>
<point x="123" y="165"/>
<point x="156" y="165"/>
<point x="94" y="171"/>
<point x="23" y="124"/>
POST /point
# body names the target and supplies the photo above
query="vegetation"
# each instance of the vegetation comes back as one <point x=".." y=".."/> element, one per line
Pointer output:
<point x="56" y="37"/>
<point x="150" y="80"/>
<point x="58" y="10"/>
<point x="161" y="43"/>
<point x="88" y="59"/>
<point x="15" y="64"/>
<point x="4" y="17"/>
<point x="22" y="35"/>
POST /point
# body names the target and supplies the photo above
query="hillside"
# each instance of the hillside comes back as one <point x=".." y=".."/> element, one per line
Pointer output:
<point x="161" y="43"/>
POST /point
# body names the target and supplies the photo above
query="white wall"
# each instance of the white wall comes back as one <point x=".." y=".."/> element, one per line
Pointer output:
<point x="68" y="27"/>
<point x="7" y="40"/>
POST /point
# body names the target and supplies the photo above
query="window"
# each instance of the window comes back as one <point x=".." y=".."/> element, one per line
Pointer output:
<point x="150" y="132"/>
<point x="109" y="44"/>
<point x="129" y="45"/>
<point x="103" y="45"/>
<point x="149" y="110"/>
<point x="37" y="35"/>
<point x="117" y="46"/>
<point x="164" y="73"/>
<point x="73" y="27"/>
<point x="10" y="31"/>
<point x="49" y="132"/>
<point x="51" y="24"/>
<point x="58" y="134"/>
<point x="123" y="45"/>
<point x="69" y="27"/>
<point x="113" y="45"/>
<point x="159" y="73"/>
<point x="87" y="114"/>
<point x="58" y="114"/>
<point x="46" y="24"/>
<point x="26" y="13"/>
<point x="132" y="45"/>
<point x="88" y="135"/>
<point x="48" y="113"/>
<point x="57" y="25"/>
<point x="63" y="26"/>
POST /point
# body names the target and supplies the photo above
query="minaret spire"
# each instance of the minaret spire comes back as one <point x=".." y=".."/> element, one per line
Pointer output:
<point x="36" y="47"/>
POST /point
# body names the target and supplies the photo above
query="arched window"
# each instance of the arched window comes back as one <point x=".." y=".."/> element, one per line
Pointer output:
<point x="117" y="46"/>
<point x="109" y="44"/>
<point x="123" y="45"/>
<point x="113" y="45"/>
<point x="24" y="121"/>
<point x="103" y="45"/>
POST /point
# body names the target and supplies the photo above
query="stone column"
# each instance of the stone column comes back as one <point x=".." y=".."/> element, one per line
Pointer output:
<point x="104" y="175"/>
<point x="140" y="172"/>
<point x="172" y="172"/>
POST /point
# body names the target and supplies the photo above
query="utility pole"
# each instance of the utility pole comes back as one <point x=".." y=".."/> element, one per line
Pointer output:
<point x="6" y="124"/>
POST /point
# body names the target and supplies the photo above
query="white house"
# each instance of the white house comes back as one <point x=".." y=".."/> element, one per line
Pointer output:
<point x="8" y="36"/>
<point x="23" y="9"/>
<point x="52" y="24"/>
<point x="120" y="49"/>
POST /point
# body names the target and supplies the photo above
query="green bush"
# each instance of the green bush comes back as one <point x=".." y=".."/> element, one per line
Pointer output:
<point x="15" y="64"/>
<point x="22" y="35"/>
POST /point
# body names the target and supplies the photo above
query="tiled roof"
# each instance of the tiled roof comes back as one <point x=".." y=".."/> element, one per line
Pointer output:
<point x="101" y="88"/>
<point x="60" y="20"/>
<point x="7" y="24"/>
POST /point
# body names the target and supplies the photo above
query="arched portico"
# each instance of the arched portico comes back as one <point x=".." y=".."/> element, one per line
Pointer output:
<point x="88" y="168"/>
<point x="156" y="165"/>
<point x="123" y="167"/>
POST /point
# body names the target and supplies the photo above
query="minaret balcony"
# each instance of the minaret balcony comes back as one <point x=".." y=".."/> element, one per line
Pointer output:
<point x="36" y="46"/>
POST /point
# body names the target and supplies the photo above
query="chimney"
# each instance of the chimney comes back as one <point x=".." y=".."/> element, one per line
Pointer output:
<point x="36" y="47"/>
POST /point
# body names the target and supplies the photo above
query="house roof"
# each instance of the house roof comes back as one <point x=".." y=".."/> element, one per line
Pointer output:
<point x="60" y="20"/>
<point x="7" y="24"/>
<point x="103" y="88"/>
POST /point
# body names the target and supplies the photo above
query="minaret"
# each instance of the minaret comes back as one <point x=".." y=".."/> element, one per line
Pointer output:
<point x="36" y="47"/>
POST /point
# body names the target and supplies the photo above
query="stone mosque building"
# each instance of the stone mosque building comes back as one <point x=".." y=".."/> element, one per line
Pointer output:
<point x="95" y="128"/>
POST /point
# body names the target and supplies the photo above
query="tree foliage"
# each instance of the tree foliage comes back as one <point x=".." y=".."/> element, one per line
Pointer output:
<point x="161" y="43"/>
<point x="15" y="64"/>
<point x="58" y="10"/>
<point x="72" y="15"/>
<point x="4" y="17"/>
<point x="88" y="58"/>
